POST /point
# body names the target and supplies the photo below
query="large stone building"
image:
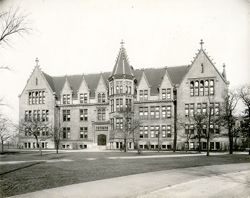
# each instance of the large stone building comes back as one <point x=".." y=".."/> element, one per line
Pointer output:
<point x="89" y="108"/>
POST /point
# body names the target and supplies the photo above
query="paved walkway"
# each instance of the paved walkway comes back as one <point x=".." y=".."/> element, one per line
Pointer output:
<point x="230" y="180"/>
<point x="30" y="161"/>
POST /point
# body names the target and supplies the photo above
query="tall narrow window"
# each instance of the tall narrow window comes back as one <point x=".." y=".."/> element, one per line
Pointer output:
<point x="36" y="81"/>
<point x="211" y="86"/>
<point x="145" y="94"/>
<point x="191" y="88"/>
<point x="141" y="95"/>
<point x="191" y="109"/>
<point x="157" y="112"/>
<point x="202" y="68"/>
<point x="152" y="112"/>
<point x="163" y="112"/>
<point x="163" y="131"/>
<point x="204" y="108"/>
<point x="169" y="131"/>
<point x="168" y="93"/>
<point x="199" y="108"/>
<point x="196" y="88"/>
<point x="186" y="110"/>
<point x="201" y="88"/>
<point x="206" y="93"/>
<point x="164" y="94"/>
<point x="168" y="111"/>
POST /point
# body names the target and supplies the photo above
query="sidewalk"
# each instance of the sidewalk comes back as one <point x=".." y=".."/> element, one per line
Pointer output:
<point x="213" y="180"/>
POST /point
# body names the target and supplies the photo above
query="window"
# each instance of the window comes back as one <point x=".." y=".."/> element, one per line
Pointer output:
<point x="211" y="128"/>
<point x="83" y="97"/>
<point x="164" y="131"/>
<point x="101" y="114"/>
<point x="191" y="109"/>
<point x="26" y="116"/>
<point x="36" y="97"/>
<point x="34" y="115"/>
<point x="189" y="129"/>
<point x="152" y="112"/>
<point x="163" y="112"/>
<point x="164" y="96"/>
<point x="119" y="104"/>
<point x="66" y="115"/>
<point x="47" y="115"/>
<point x="101" y="98"/>
<point x="217" y="145"/>
<point x="212" y="109"/>
<point x="201" y="88"/>
<point x="66" y="132"/>
<point x="168" y="111"/>
<point x="141" y="112"/>
<point x="191" y="88"/>
<point x="168" y="93"/>
<point x="119" y="123"/>
<point x="128" y="104"/>
<point x="206" y="93"/>
<point x="112" y="123"/>
<point x="30" y="115"/>
<point x="157" y="131"/>
<point x="217" y="108"/>
<point x="204" y="108"/>
<point x="143" y="95"/>
<point x="85" y="114"/>
<point x="211" y="85"/>
<point x="43" y="115"/>
<point x="168" y="131"/>
<point x="198" y="107"/>
<point x="152" y="131"/>
<point x="216" y="129"/>
<point x="66" y="98"/>
<point x="112" y="105"/>
<point x="204" y="129"/>
<point x="36" y="81"/>
<point x="186" y="110"/>
<point x="202" y="68"/>
<point x="211" y="145"/>
<point x="196" y="88"/>
<point x="141" y="131"/>
<point x="145" y="131"/>
<point x="157" y="112"/>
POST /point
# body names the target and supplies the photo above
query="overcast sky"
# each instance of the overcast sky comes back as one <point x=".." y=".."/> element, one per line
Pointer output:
<point x="83" y="36"/>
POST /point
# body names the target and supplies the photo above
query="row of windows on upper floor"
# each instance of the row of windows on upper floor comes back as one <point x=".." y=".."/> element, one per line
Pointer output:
<point x="83" y="133"/>
<point x="202" y="87"/>
<point x="155" y="112"/>
<point x="190" y="129"/>
<point x="156" y="131"/>
<point x="83" y="114"/>
<point x="203" y="108"/>
<point x="36" y="115"/>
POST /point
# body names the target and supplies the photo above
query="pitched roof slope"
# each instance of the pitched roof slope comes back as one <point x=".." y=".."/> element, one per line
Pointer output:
<point x="122" y="66"/>
<point x="154" y="77"/>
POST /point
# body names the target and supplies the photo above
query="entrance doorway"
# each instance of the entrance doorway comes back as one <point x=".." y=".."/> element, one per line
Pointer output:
<point x="101" y="140"/>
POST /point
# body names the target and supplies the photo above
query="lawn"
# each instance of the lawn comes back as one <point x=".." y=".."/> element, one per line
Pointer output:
<point x="33" y="176"/>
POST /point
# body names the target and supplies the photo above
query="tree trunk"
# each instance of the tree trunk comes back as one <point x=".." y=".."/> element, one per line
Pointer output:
<point x="2" y="146"/>
<point x="199" y="140"/>
<point x="125" y="144"/>
<point x="158" y="142"/>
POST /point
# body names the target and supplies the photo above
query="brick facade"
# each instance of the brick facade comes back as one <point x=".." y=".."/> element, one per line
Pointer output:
<point x="87" y="107"/>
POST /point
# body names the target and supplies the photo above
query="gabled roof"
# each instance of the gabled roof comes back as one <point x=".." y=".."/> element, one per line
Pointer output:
<point x="153" y="75"/>
<point x="122" y="66"/>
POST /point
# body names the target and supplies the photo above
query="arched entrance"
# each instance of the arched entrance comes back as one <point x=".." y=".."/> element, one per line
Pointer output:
<point x="101" y="140"/>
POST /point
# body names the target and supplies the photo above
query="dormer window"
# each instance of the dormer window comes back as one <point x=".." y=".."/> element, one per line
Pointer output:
<point x="83" y="98"/>
<point x="143" y="95"/>
<point x="101" y="98"/>
<point x="66" y="98"/>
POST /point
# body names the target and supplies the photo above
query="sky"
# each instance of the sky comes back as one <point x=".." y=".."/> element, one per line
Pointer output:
<point x="83" y="36"/>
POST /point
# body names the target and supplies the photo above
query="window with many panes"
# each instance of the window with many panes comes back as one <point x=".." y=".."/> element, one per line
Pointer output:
<point x="119" y="123"/>
<point x="164" y="94"/>
<point x="101" y="112"/>
<point x="119" y="104"/>
<point x="83" y="132"/>
<point x="164" y="131"/>
<point x="66" y="132"/>
<point x="36" y="97"/>
<point x="101" y="97"/>
<point x="168" y="93"/>
<point x="66" y="98"/>
<point x="168" y="130"/>
<point x="202" y="87"/>
<point x="143" y="95"/>
<point x="168" y="111"/>
<point x="66" y="115"/>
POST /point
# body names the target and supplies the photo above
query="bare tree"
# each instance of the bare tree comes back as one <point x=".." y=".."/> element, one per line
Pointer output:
<point x="4" y="131"/>
<point x="38" y="129"/>
<point x="244" y="95"/>
<point x="57" y="136"/>
<point x="227" y="117"/>
<point x="129" y="127"/>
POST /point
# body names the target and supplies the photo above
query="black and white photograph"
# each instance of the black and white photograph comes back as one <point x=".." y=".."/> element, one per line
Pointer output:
<point x="125" y="98"/>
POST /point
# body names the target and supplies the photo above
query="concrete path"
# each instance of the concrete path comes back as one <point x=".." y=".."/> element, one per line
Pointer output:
<point x="230" y="180"/>
<point x="30" y="161"/>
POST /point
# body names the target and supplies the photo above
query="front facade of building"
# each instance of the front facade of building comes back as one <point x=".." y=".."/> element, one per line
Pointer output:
<point x="90" y="109"/>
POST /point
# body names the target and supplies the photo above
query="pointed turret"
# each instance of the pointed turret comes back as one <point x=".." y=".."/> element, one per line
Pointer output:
<point x="122" y="67"/>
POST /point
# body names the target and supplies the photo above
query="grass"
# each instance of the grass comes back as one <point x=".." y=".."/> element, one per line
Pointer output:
<point x="33" y="176"/>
